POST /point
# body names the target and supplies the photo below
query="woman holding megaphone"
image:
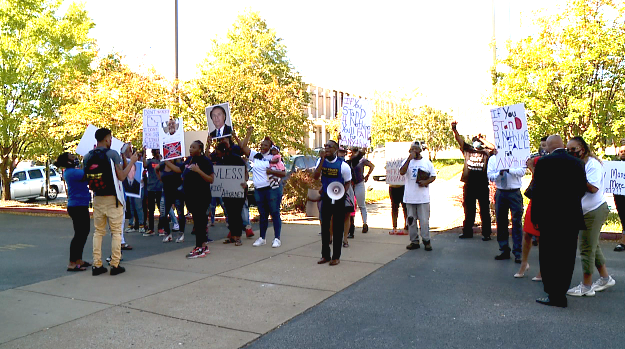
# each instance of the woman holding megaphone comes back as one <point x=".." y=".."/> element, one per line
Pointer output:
<point x="336" y="177"/>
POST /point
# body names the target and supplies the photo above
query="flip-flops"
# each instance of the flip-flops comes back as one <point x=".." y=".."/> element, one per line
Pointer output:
<point x="77" y="268"/>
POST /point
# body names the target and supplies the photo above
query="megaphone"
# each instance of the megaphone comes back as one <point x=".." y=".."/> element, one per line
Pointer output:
<point x="335" y="191"/>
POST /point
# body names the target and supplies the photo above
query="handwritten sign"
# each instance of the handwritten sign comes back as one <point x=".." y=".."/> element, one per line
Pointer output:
<point x="614" y="177"/>
<point x="119" y="188"/>
<point x="356" y="122"/>
<point x="88" y="142"/>
<point x="511" y="136"/>
<point x="152" y="119"/>
<point x="228" y="180"/>
<point x="395" y="154"/>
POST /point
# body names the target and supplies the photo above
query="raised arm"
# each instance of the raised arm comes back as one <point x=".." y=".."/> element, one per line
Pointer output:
<point x="457" y="136"/>
<point x="322" y="157"/>
<point x="244" y="148"/>
<point x="122" y="173"/>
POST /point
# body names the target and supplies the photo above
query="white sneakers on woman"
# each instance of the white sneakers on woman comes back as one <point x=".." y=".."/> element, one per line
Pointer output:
<point x="276" y="243"/>
<point x="261" y="241"/>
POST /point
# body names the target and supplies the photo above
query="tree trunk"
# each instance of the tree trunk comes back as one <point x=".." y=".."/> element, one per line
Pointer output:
<point x="6" y="182"/>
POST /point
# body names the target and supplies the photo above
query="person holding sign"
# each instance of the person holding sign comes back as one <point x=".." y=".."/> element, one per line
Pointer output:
<point x="172" y="180"/>
<point x="508" y="199"/>
<point x="619" y="202"/>
<point x="106" y="205"/>
<point x="419" y="174"/>
<point x="330" y="168"/>
<point x="476" y="157"/>
<point x="223" y="156"/>
<point x="596" y="211"/>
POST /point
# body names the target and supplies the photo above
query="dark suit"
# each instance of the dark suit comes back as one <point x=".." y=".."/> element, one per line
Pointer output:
<point x="559" y="184"/>
<point x="227" y="132"/>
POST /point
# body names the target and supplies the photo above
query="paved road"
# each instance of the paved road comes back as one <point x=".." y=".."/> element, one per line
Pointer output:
<point x="35" y="248"/>
<point x="457" y="296"/>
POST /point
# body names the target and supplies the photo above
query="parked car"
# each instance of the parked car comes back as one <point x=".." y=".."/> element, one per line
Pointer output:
<point x="29" y="183"/>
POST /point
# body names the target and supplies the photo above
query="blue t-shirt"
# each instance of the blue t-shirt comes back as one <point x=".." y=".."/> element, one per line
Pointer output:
<point x="77" y="188"/>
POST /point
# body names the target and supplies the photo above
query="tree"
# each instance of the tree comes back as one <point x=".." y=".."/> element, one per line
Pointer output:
<point x="113" y="96"/>
<point x="251" y="71"/>
<point x="39" y="53"/>
<point x="571" y="74"/>
<point x="432" y="126"/>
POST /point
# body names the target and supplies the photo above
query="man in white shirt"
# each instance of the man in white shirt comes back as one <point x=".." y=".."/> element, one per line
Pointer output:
<point x="419" y="174"/>
<point x="507" y="198"/>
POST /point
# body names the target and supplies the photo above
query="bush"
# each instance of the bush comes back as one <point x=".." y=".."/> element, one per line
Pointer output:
<point x="296" y="190"/>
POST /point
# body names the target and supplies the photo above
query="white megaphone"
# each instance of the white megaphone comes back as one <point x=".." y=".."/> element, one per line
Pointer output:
<point x="335" y="191"/>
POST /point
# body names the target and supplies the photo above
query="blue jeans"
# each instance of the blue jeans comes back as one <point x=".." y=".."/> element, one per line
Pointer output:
<point x="509" y="200"/>
<point x="268" y="202"/>
<point x="213" y="206"/>
<point x="135" y="206"/>
<point x="245" y="214"/>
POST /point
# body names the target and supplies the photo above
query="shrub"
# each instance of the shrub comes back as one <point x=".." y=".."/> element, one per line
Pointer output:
<point x="296" y="190"/>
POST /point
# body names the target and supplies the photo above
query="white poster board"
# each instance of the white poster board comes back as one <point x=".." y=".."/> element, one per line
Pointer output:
<point x="172" y="139"/>
<point x="356" y="122"/>
<point x="228" y="180"/>
<point x="88" y="142"/>
<point x="218" y="116"/>
<point x="119" y="188"/>
<point x="152" y="120"/>
<point x="395" y="154"/>
<point x="135" y="173"/>
<point x="614" y="177"/>
<point x="511" y="136"/>
<point x="192" y="136"/>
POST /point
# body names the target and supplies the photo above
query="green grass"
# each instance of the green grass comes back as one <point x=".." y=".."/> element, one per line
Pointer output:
<point x="447" y="169"/>
<point x="613" y="223"/>
<point x="376" y="195"/>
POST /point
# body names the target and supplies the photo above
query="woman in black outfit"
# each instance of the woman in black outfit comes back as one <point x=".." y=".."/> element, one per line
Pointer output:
<point x="172" y="182"/>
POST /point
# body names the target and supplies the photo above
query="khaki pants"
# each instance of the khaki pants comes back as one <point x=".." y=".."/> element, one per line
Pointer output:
<point x="106" y="207"/>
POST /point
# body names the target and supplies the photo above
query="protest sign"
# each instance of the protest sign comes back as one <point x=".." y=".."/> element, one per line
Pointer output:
<point x="133" y="188"/>
<point x="395" y="154"/>
<point x="152" y="119"/>
<point x="219" y="121"/>
<point x="511" y="136"/>
<point x="192" y="136"/>
<point x="356" y="122"/>
<point x="88" y="142"/>
<point x="228" y="180"/>
<point x="614" y="177"/>
<point x="171" y="139"/>
<point x="119" y="189"/>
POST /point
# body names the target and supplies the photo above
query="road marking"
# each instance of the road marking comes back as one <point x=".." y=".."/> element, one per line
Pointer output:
<point x="15" y="247"/>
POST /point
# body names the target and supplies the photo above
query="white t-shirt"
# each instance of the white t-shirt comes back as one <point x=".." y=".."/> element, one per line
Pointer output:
<point x="413" y="193"/>
<point x="346" y="171"/>
<point x="259" y="170"/>
<point x="594" y="175"/>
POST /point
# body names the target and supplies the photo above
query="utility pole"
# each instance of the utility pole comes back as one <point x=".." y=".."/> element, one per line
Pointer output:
<point x="176" y="59"/>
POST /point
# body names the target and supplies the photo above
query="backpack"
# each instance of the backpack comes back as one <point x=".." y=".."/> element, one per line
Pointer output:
<point x="99" y="174"/>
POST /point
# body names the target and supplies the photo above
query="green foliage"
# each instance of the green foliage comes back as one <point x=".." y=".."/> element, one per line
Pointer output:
<point x="447" y="169"/>
<point x="250" y="70"/>
<point x="296" y="190"/>
<point x="571" y="75"/>
<point x="40" y="53"/>
<point x="613" y="223"/>
<point x="376" y="195"/>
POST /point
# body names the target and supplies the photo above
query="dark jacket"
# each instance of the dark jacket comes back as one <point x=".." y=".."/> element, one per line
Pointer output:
<point x="227" y="132"/>
<point x="559" y="185"/>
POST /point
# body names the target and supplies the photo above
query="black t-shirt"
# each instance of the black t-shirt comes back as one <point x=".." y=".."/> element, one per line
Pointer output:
<point x="475" y="164"/>
<point x="192" y="183"/>
<point x="171" y="180"/>
<point x="230" y="160"/>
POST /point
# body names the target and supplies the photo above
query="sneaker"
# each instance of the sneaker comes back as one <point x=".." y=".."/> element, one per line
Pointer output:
<point x="276" y="243"/>
<point x="503" y="255"/>
<point x="413" y="246"/>
<point x="259" y="241"/>
<point x="180" y="238"/>
<point x="141" y="230"/>
<point x="149" y="233"/>
<point x="176" y="227"/>
<point x="129" y="230"/>
<point x="249" y="233"/>
<point x="209" y="240"/>
<point x="601" y="284"/>
<point x="161" y="232"/>
<point x="365" y="228"/>
<point x="198" y="252"/>
<point x="168" y="238"/>
<point x="465" y="236"/>
<point x="581" y="291"/>
<point x="427" y="245"/>
<point x="486" y="238"/>
<point x="619" y="248"/>
<point x="95" y="271"/>
<point x="117" y="270"/>
<point x="350" y="235"/>
<point x="108" y="259"/>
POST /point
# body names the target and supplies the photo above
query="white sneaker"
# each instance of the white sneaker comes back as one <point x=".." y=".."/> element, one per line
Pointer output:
<point x="259" y="242"/>
<point x="176" y="227"/>
<point x="129" y="230"/>
<point x="276" y="243"/>
<point x="180" y="238"/>
<point x="581" y="291"/>
<point x="601" y="284"/>
<point x="141" y="230"/>
<point x="168" y="238"/>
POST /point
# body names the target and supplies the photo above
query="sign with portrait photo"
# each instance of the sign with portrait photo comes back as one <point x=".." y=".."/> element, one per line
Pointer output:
<point x="219" y="121"/>
<point x="132" y="184"/>
<point x="171" y="139"/>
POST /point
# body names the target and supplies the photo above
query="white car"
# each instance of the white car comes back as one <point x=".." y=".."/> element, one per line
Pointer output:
<point x="29" y="183"/>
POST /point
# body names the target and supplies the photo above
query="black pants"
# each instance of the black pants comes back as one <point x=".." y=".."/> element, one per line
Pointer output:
<point x="154" y="200"/>
<point x="144" y="206"/>
<point x="198" y="207"/>
<point x="619" y="202"/>
<point x="81" y="222"/>
<point x="557" y="252"/>
<point x="397" y="197"/>
<point x="329" y="210"/>
<point x="235" y="222"/>
<point x="471" y="192"/>
<point x="174" y="197"/>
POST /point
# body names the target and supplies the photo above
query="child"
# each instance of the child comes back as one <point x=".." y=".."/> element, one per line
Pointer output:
<point x="275" y="164"/>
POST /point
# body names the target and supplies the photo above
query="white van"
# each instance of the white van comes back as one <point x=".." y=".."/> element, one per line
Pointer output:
<point x="29" y="183"/>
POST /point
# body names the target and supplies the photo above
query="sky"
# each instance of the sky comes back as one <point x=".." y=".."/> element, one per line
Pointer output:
<point x="439" y="48"/>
